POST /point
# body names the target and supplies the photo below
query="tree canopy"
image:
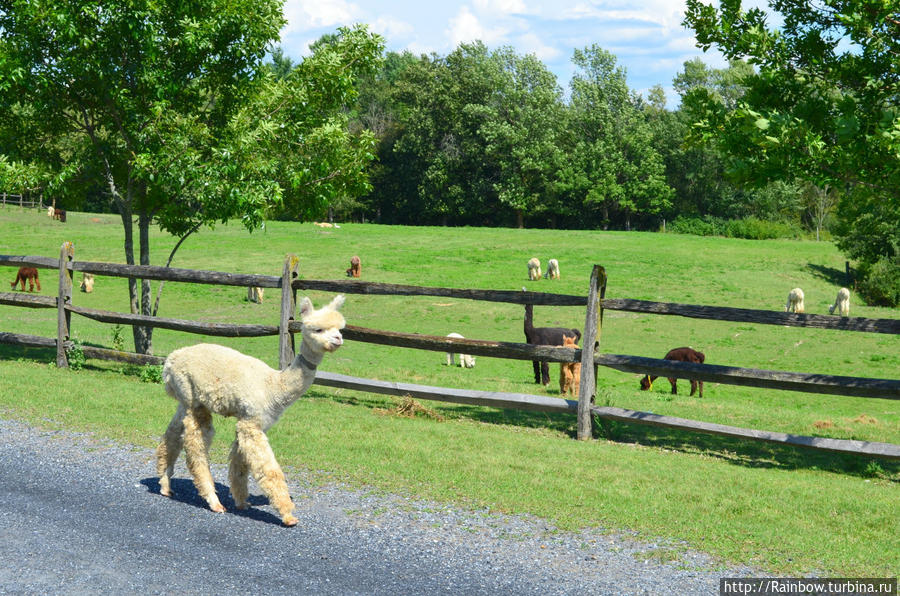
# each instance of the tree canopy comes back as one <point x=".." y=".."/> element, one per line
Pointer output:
<point x="166" y="107"/>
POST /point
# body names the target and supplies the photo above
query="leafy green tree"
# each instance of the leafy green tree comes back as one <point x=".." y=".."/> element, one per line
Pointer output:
<point x="168" y="104"/>
<point x="613" y="164"/>
<point x="822" y="106"/>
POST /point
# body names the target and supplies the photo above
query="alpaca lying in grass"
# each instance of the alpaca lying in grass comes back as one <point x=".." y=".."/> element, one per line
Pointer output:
<point x="569" y="372"/>
<point x="544" y="336"/>
<point x="29" y="274"/>
<point x="679" y="355"/>
<point x="534" y="269"/>
<point x="208" y="378"/>
<point x="794" y="301"/>
<point x="552" y="269"/>
<point x="465" y="360"/>
<point x="841" y="303"/>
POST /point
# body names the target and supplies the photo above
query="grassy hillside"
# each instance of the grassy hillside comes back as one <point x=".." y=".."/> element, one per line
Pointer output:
<point x="786" y="510"/>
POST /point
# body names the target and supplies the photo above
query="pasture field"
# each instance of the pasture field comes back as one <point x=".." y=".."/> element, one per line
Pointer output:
<point x="783" y="510"/>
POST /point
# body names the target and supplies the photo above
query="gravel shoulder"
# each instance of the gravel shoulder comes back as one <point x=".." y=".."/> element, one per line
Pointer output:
<point x="82" y="515"/>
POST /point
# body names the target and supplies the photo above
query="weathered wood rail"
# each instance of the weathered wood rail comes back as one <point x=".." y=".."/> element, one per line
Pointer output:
<point x="595" y="302"/>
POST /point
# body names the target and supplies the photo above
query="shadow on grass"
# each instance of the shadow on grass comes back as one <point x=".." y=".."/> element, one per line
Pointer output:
<point x="833" y="276"/>
<point x="184" y="491"/>
<point x="741" y="452"/>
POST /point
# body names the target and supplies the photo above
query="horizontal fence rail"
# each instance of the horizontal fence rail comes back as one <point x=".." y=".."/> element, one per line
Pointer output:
<point x="694" y="311"/>
<point x="523" y="401"/>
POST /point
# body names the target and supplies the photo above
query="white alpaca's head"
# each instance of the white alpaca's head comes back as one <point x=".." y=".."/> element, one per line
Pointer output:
<point x="322" y="328"/>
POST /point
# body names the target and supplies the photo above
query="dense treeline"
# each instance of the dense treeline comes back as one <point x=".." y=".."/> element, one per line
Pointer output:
<point x="489" y="137"/>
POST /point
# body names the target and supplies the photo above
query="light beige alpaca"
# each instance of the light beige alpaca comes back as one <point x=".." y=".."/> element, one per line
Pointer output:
<point x="534" y="269"/>
<point x="841" y="303"/>
<point x="255" y="294"/>
<point x="465" y="360"/>
<point x="208" y="378"/>
<point x="87" y="282"/>
<point x="552" y="269"/>
<point x="794" y="301"/>
<point x="569" y="372"/>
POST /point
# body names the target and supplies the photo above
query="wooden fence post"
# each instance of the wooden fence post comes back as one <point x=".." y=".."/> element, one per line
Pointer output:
<point x="288" y="308"/>
<point x="64" y="298"/>
<point x="590" y="342"/>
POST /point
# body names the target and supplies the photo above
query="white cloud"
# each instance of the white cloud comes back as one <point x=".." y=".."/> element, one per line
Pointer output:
<point x="530" y="43"/>
<point x="391" y="28"/>
<point x="303" y="15"/>
<point x="500" y="6"/>
<point x="466" y="27"/>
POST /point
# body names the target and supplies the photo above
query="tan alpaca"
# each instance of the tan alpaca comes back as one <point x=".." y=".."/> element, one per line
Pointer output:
<point x="208" y="378"/>
<point x="255" y="294"/>
<point x="534" y="269"/>
<point x="569" y="372"/>
<point x="552" y="269"/>
<point x="841" y="303"/>
<point x="795" y="301"/>
<point x="87" y="283"/>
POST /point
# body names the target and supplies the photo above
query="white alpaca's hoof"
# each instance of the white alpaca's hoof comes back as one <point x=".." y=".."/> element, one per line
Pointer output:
<point x="217" y="508"/>
<point x="290" y="520"/>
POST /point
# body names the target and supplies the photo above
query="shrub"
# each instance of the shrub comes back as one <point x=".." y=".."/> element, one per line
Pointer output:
<point x="750" y="228"/>
<point x="880" y="283"/>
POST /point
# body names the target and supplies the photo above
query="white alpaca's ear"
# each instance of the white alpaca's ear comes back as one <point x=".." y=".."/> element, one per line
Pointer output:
<point x="306" y="307"/>
<point x="337" y="302"/>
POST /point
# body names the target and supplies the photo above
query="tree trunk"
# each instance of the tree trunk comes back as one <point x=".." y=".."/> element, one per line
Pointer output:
<point x="143" y="336"/>
<point x="520" y="218"/>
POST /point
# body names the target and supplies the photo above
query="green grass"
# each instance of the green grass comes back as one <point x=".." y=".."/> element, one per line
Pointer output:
<point x="785" y="510"/>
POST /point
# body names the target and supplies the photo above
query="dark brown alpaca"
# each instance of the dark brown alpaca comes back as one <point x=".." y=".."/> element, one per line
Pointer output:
<point x="544" y="336"/>
<point x="30" y="274"/>
<point x="354" y="269"/>
<point x="680" y="355"/>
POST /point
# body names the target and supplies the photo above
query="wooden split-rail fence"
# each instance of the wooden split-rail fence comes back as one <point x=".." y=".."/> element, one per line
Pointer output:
<point x="595" y="302"/>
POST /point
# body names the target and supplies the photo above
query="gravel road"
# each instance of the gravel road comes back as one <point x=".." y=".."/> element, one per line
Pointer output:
<point x="81" y="515"/>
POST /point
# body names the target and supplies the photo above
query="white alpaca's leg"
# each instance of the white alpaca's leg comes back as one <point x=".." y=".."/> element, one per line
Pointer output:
<point x="198" y="434"/>
<point x="168" y="451"/>
<point x="257" y="453"/>
<point x="238" y="472"/>
<point x="449" y="358"/>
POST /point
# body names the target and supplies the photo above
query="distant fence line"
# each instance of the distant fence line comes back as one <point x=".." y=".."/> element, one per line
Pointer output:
<point x="20" y="201"/>
<point x="595" y="302"/>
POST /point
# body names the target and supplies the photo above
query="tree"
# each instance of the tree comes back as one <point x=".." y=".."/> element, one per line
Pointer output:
<point x="169" y="106"/>
<point x="613" y="165"/>
<point x="822" y="106"/>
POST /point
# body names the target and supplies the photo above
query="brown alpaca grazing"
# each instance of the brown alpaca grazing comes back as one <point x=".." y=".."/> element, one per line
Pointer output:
<point x="354" y="269"/>
<point x="569" y="372"/>
<point x="209" y="379"/>
<point x="31" y="275"/>
<point x="680" y="355"/>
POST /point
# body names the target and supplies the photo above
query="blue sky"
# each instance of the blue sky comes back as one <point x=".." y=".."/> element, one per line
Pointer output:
<point x="646" y="36"/>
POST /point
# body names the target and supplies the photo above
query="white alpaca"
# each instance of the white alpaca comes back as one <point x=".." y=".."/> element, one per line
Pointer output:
<point x="841" y="303"/>
<point x="552" y="269"/>
<point x="534" y="269"/>
<point x="794" y="301"/>
<point x="208" y="378"/>
<point x="50" y="211"/>
<point x="466" y="360"/>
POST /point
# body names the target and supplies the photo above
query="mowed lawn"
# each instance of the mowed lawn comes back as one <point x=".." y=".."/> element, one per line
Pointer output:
<point x="785" y="510"/>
